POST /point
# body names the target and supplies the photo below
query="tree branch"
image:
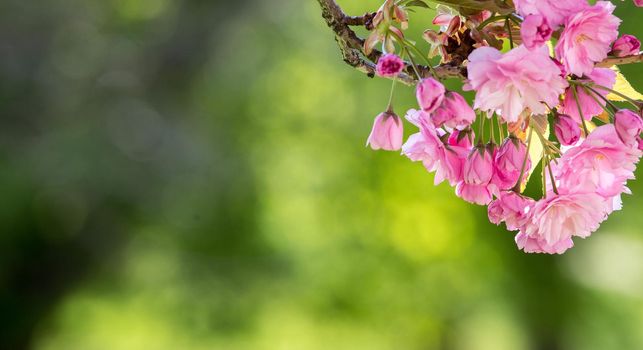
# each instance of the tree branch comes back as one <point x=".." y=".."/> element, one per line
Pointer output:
<point x="614" y="61"/>
<point x="352" y="47"/>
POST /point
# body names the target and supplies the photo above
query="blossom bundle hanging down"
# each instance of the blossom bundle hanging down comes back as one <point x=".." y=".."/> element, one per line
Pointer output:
<point x="547" y="98"/>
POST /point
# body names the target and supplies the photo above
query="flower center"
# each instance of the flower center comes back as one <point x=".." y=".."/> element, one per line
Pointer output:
<point x="579" y="39"/>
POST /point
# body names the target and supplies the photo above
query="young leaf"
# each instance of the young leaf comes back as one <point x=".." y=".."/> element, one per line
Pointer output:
<point x="624" y="87"/>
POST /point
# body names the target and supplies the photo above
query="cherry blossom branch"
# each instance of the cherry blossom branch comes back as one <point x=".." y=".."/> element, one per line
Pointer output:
<point x="614" y="61"/>
<point x="351" y="47"/>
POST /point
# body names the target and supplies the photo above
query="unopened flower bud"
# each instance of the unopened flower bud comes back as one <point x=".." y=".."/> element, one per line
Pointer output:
<point x="566" y="129"/>
<point x="628" y="126"/>
<point x="626" y="45"/>
<point x="430" y="94"/>
<point x="389" y="65"/>
<point x="508" y="163"/>
<point x="454" y="112"/>
<point x="387" y="132"/>
<point x="478" y="169"/>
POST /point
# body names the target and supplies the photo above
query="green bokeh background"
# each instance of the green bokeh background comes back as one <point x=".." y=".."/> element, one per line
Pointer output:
<point x="192" y="175"/>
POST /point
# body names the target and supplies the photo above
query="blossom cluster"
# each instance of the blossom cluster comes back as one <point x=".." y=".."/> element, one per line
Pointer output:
<point x="544" y="101"/>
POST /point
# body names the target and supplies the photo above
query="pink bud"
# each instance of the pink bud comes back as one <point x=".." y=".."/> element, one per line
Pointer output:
<point x="387" y="132"/>
<point x="626" y="45"/>
<point x="638" y="3"/>
<point x="430" y="93"/>
<point x="566" y="129"/>
<point x="478" y="169"/>
<point x="454" y="112"/>
<point x="535" y="31"/>
<point x="628" y="126"/>
<point x="508" y="163"/>
<point x="389" y="65"/>
<point x="462" y="138"/>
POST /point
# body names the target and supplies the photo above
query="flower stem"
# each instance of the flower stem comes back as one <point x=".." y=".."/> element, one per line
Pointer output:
<point x="501" y="130"/>
<point x="580" y="111"/>
<point x="516" y="188"/>
<point x="551" y="176"/>
<point x="415" y="68"/>
<point x="614" y="107"/>
<point x="481" y="130"/>
<point x="511" y="36"/>
<point x="489" y="21"/>
<point x="604" y="106"/>
<point x="628" y="99"/>
<point x="492" y="127"/>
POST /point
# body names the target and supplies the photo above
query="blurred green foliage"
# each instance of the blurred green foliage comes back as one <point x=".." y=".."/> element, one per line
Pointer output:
<point x="192" y="175"/>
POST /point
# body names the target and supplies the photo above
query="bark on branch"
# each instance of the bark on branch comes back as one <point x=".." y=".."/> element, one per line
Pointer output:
<point x="351" y="47"/>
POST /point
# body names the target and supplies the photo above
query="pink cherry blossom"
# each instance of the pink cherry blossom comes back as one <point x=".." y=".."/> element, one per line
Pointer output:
<point x="626" y="45"/>
<point x="514" y="81"/>
<point x="387" y="132"/>
<point x="590" y="106"/>
<point x="601" y="164"/>
<point x="511" y="208"/>
<point x="508" y="163"/>
<point x="476" y="194"/>
<point x="587" y="38"/>
<point x="558" y="217"/>
<point x="566" y="129"/>
<point x="389" y="65"/>
<point x="628" y="126"/>
<point x="535" y="31"/>
<point x="539" y="245"/>
<point x="427" y="147"/>
<point x="430" y="94"/>
<point x="478" y="168"/>
<point x="454" y="112"/>
<point x="555" y="11"/>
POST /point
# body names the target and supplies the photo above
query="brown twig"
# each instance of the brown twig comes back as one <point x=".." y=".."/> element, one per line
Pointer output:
<point x="352" y="47"/>
<point x="614" y="61"/>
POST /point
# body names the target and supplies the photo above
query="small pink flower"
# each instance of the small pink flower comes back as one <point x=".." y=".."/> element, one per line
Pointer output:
<point x="476" y="194"/>
<point x="638" y="3"/>
<point x="430" y="94"/>
<point x="535" y="31"/>
<point x="513" y="81"/>
<point x="590" y="106"/>
<point x="427" y="147"/>
<point x="508" y="163"/>
<point x="587" y="38"/>
<point x="389" y="65"/>
<point x="478" y="169"/>
<point x="511" y="208"/>
<point x="454" y="112"/>
<point x="387" y="132"/>
<point x="559" y="217"/>
<point x="628" y="126"/>
<point x="555" y="11"/>
<point x="601" y="164"/>
<point x="566" y="129"/>
<point x="538" y="245"/>
<point x="626" y="45"/>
